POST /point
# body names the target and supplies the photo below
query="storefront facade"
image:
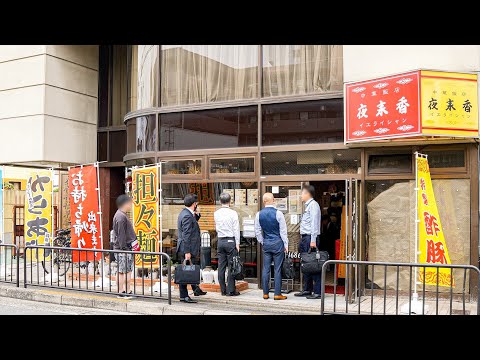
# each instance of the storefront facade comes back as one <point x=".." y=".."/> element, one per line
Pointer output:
<point x="251" y="119"/>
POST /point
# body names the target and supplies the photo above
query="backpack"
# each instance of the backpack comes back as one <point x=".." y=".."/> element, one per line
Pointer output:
<point x="236" y="268"/>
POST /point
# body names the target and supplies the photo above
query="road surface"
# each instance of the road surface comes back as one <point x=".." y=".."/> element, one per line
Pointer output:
<point x="11" y="306"/>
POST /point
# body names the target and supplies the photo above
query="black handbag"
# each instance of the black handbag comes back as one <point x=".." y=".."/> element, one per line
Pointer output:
<point x="312" y="262"/>
<point x="236" y="268"/>
<point x="287" y="268"/>
<point x="187" y="274"/>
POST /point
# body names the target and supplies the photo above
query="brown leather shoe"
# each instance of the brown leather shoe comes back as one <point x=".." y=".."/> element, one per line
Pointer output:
<point x="266" y="297"/>
<point x="279" y="297"/>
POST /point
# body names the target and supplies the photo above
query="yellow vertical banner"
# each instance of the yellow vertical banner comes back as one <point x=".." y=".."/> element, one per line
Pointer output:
<point x="38" y="213"/>
<point x="432" y="245"/>
<point x="341" y="272"/>
<point x="145" y="185"/>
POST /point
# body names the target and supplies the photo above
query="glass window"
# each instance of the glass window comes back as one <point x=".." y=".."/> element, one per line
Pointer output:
<point x="311" y="162"/>
<point x="102" y="146"/>
<point x="446" y="158"/>
<point x="184" y="167"/>
<point x="391" y="225"/>
<point x="131" y="136"/>
<point x="390" y="164"/>
<point x="117" y="145"/>
<point x="232" y="166"/>
<point x="245" y="201"/>
<point x="144" y="77"/>
<point x="119" y="84"/>
<point x="302" y="69"/>
<point x="146" y="127"/>
<point x="303" y="122"/>
<point x="193" y="74"/>
<point x="208" y="129"/>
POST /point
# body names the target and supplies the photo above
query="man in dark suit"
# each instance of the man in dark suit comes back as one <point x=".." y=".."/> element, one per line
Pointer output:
<point x="188" y="245"/>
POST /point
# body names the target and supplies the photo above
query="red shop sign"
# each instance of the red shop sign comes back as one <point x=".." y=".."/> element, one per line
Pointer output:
<point x="383" y="108"/>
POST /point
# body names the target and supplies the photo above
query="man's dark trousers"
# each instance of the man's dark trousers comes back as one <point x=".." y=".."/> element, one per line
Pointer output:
<point x="226" y="250"/>
<point x="311" y="282"/>
<point x="183" y="287"/>
<point x="277" y="258"/>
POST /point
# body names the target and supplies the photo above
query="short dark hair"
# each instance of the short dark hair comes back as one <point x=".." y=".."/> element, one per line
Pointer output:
<point x="225" y="198"/>
<point x="122" y="200"/>
<point x="190" y="199"/>
<point x="310" y="189"/>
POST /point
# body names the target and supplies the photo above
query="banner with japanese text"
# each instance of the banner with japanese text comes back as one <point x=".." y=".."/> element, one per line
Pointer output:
<point x="449" y="104"/>
<point x="413" y="104"/>
<point x="383" y="108"/>
<point x="84" y="212"/>
<point x="38" y="213"/>
<point x="432" y="245"/>
<point x="145" y="185"/>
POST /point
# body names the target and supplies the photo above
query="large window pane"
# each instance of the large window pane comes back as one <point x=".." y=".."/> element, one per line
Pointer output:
<point x="117" y="145"/>
<point x="245" y="201"/>
<point x="144" y="69"/>
<point x="302" y="69"/>
<point x="391" y="224"/>
<point x="207" y="129"/>
<point x="182" y="167"/>
<point x="303" y="122"/>
<point x="146" y="127"/>
<point x="119" y="84"/>
<point x="311" y="162"/>
<point x="193" y="74"/>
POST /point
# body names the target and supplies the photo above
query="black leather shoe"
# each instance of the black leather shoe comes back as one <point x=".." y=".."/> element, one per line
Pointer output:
<point x="199" y="292"/>
<point x="224" y="293"/>
<point x="189" y="300"/>
<point x="235" y="293"/>
<point x="303" y="293"/>
<point x="314" y="296"/>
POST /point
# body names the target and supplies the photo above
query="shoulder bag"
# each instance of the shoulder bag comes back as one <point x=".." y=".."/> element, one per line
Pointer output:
<point x="312" y="262"/>
<point x="236" y="268"/>
<point x="287" y="268"/>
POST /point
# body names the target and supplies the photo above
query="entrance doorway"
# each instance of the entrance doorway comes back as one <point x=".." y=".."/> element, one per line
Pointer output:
<point x="332" y="196"/>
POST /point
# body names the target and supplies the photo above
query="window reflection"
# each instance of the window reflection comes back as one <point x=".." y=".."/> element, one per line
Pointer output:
<point x="145" y="133"/>
<point x="208" y="129"/>
<point x="303" y="122"/>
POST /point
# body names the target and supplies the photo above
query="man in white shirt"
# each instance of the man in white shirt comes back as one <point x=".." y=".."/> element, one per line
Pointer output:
<point x="228" y="232"/>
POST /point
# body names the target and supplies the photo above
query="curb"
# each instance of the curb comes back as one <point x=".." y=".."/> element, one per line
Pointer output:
<point x="104" y="301"/>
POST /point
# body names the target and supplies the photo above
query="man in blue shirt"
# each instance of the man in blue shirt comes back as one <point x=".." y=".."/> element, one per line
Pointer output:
<point x="271" y="232"/>
<point x="310" y="233"/>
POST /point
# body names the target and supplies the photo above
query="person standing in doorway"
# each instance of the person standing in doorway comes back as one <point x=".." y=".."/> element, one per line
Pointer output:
<point x="310" y="238"/>
<point x="271" y="232"/>
<point x="228" y="231"/>
<point x="188" y="245"/>
<point x="123" y="236"/>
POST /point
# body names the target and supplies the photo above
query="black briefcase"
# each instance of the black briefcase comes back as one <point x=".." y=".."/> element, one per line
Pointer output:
<point x="187" y="274"/>
<point x="312" y="262"/>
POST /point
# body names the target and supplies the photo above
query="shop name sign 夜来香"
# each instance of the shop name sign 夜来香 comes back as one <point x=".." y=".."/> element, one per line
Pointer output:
<point x="417" y="103"/>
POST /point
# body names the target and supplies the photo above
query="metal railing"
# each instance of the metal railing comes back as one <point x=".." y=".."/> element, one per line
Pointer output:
<point x="98" y="275"/>
<point x="388" y="288"/>
<point x="9" y="264"/>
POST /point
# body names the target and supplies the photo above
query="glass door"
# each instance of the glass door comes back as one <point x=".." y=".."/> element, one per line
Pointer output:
<point x="288" y="200"/>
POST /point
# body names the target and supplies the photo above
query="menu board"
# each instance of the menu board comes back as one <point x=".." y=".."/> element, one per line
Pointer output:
<point x="281" y="204"/>
<point x="252" y="195"/>
<point x="295" y="204"/>
<point x="240" y="197"/>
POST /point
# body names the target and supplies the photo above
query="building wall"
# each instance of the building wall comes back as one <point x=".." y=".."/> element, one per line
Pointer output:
<point x="48" y="103"/>
<point x="361" y="62"/>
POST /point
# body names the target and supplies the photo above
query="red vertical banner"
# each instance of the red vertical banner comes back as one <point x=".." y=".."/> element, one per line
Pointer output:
<point x="84" y="212"/>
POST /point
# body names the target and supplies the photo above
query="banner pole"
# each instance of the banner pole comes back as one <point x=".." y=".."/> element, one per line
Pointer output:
<point x="415" y="295"/>
<point x="52" y="216"/>
<point x="99" y="203"/>
<point x="159" y="219"/>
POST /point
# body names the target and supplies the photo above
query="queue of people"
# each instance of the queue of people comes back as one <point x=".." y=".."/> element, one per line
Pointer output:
<point x="271" y="232"/>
